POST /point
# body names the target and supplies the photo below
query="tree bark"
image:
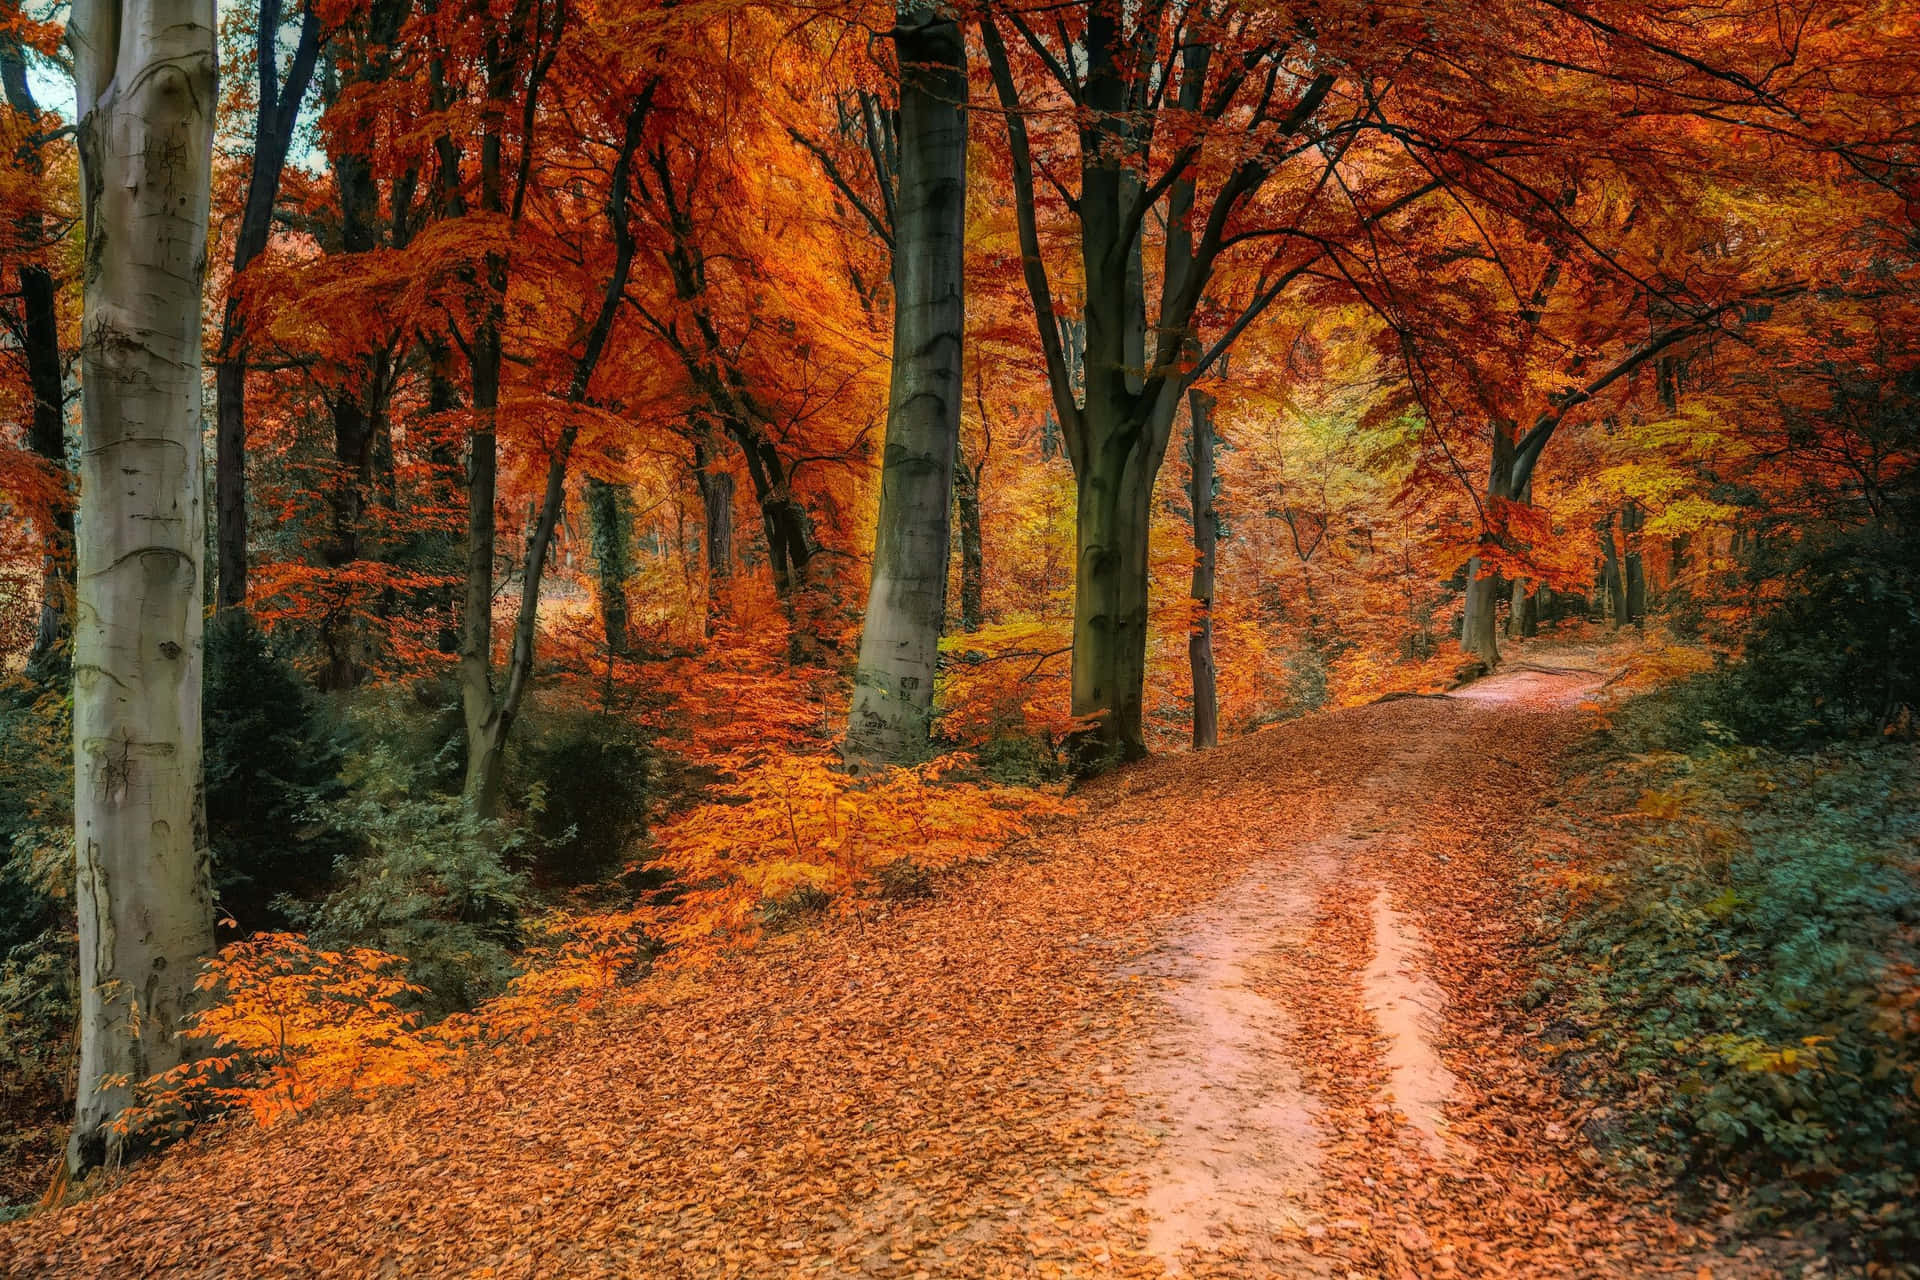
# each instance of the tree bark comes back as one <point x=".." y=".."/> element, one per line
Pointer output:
<point x="1110" y="604"/>
<point x="1206" y="537"/>
<point x="891" y="718"/>
<point x="973" y="555"/>
<point x="490" y="714"/>
<point x="145" y="72"/>
<point x="1633" y="564"/>
<point x="40" y="345"/>
<point x="1613" y="589"/>
<point x="716" y="504"/>
<point x="273" y="125"/>
<point x="610" y="530"/>
<point x="1116" y="429"/>
<point x="1478" y="613"/>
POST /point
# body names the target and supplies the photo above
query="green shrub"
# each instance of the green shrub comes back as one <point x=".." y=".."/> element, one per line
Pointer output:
<point x="39" y="955"/>
<point x="1840" y="656"/>
<point x="36" y="811"/>
<point x="420" y="723"/>
<point x="1015" y="758"/>
<point x="431" y="882"/>
<point x="582" y="779"/>
<point x="273" y="760"/>
<point x="1740" y="971"/>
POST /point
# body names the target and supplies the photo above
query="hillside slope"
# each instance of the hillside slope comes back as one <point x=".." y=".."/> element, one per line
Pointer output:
<point x="1248" y="1016"/>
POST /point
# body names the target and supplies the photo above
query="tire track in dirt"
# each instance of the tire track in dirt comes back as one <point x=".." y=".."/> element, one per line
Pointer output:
<point x="1236" y="1174"/>
<point x="1058" y="1066"/>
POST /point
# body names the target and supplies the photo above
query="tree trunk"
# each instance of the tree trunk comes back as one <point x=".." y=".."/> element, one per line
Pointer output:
<point x="490" y="715"/>
<point x="1613" y="589"/>
<point x="1206" y="536"/>
<point x="610" y="531"/>
<point x="40" y="345"/>
<point x="891" y="719"/>
<point x="1524" y="620"/>
<point x="486" y="727"/>
<point x="356" y="428"/>
<point x="1517" y="597"/>
<point x="145" y="72"/>
<point x="279" y="109"/>
<point x="973" y="556"/>
<point x="47" y="437"/>
<point x="1478" y="612"/>
<point x="1634" y="592"/>
<point x="1110" y="605"/>
<point x="716" y="503"/>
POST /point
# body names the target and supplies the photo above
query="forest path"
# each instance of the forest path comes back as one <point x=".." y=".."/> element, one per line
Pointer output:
<point x="1248" y="1016"/>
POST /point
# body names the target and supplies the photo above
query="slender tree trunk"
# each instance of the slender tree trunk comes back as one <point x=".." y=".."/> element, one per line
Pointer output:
<point x="973" y="556"/>
<point x="891" y="719"/>
<point x="490" y="714"/>
<point x="716" y="503"/>
<point x="1206" y="536"/>
<point x="1110" y="604"/>
<point x="610" y="530"/>
<point x="40" y="345"/>
<point x="443" y="396"/>
<point x="47" y="437"/>
<point x="357" y="429"/>
<point x="145" y="71"/>
<point x="486" y="726"/>
<point x="1483" y="588"/>
<point x="279" y="109"/>
<point x="1613" y="589"/>
<point x="1633" y="565"/>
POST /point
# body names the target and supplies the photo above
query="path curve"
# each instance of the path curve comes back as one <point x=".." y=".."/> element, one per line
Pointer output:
<point x="1229" y="1022"/>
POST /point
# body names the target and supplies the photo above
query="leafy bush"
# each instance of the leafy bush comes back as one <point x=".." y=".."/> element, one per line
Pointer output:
<point x="431" y="883"/>
<point x="1741" y="971"/>
<point x="36" y="811"/>
<point x="284" y="1025"/>
<point x="583" y="783"/>
<point x="38" y="951"/>
<point x="1840" y="655"/>
<point x="420" y="723"/>
<point x="272" y="756"/>
<point x="1014" y="758"/>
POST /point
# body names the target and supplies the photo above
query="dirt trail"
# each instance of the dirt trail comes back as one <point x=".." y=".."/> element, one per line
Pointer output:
<point x="1239" y="1140"/>
<point x="1240" y="1019"/>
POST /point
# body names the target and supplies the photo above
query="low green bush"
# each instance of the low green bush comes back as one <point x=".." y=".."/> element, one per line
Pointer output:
<point x="1737" y="973"/>
<point x="1014" y="757"/>
<point x="273" y="758"/>
<point x="582" y="778"/>
<point x="430" y="881"/>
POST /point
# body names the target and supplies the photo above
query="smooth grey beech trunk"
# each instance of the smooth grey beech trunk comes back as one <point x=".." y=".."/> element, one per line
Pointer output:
<point x="892" y="714"/>
<point x="145" y="72"/>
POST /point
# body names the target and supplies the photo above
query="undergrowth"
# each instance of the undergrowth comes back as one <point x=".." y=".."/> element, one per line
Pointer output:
<point x="1728" y="968"/>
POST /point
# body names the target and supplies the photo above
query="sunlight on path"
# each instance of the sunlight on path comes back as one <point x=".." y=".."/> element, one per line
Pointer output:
<point x="1238" y="1144"/>
<point x="1410" y="1010"/>
<point x="1237" y="1170"/>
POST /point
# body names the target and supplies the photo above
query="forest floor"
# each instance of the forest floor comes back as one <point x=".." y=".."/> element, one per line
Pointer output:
<point x="1251" y="1014"/>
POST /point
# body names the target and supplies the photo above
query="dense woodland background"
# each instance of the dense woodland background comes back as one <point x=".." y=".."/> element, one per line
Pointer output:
<point x="547" y="356"/>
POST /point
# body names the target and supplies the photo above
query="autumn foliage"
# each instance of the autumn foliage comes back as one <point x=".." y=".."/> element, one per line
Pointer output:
<point x="548" y="350"/>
